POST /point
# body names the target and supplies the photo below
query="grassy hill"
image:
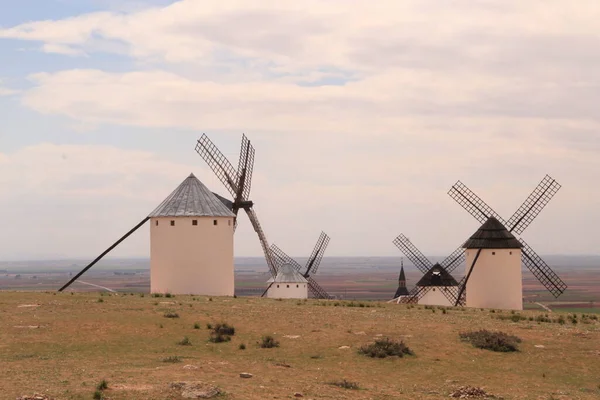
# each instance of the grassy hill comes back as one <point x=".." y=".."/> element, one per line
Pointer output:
<point x="65" y="344"/>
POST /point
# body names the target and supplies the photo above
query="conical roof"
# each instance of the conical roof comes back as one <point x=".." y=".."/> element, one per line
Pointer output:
<point x="402" y="277"/>
<point x="288" y="274"/>
<point x="492" y="235"/>
<point x="437" y="276"/>
<point x="401" y="291"/>
<point x="192" y="199"/>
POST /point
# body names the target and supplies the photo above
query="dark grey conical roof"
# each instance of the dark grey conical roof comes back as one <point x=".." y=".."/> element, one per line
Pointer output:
<point x="192" y="199"/>
<point x="437" y="276"/>
<point x="492" y="235"/>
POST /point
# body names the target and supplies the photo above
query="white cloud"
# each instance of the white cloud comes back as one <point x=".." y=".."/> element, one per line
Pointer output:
<point x="494" y="93"/>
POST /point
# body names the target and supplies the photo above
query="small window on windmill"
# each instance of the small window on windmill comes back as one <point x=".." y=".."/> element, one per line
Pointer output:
<point x="194" y="222"/>
<point x="277" y="286"/>
<point x="297" y="286"/>
<point x="510" y="253"/>
<point x="172" y="223"/>
<point x="156" y="222"/>
<point x="493" y="253"/>
<point x="434" y="289"/>
<point x="215" y="222"/>
<point x="229" y="222"/>
<point x="287" y="286"/>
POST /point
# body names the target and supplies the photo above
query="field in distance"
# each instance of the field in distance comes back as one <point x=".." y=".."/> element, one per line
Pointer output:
<point x="65" y="344"/>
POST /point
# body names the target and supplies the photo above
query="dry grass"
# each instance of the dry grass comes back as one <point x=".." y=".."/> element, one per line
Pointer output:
<point x="69" y="343"/>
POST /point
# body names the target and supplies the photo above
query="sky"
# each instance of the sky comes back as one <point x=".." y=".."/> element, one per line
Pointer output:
<point x="363" y="115"/>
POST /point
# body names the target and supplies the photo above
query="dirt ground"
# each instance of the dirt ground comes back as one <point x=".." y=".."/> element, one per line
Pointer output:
<point x="64" y="345"/>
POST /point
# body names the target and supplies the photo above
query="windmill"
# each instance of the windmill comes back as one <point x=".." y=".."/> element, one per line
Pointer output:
<point x="238" y="183"/>
<point x="312" y="265"/>
<point x="436" y="277"/>
<point x="517" y="224"/>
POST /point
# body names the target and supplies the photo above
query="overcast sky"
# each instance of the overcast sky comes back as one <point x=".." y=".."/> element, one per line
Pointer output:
<point x="363" y="114"/>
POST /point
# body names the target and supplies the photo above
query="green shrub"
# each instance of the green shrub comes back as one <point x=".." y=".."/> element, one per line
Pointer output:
<point x="172" y="359"/>
<point x="242" y="346"/>
<point x="196" y="326"/>
<point x="224" y="329"/>
<point x="209" y="326"/>
<point x="383" y="348"/>
<point x="344" y="384"/>
<point x="169" y="295"/>
<point x="103" y="385"/>
<point x="219" y="338"/>
<point x="98" y="395"/>
<point x="185" y="341"/>
<point x="268" y="342"/>
<point x="100" y="300"/>
<point x="494" y="341"/>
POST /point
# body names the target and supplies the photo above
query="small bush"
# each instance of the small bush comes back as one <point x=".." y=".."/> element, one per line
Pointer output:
<point x="344" y="384"/>
<point x="157" y="295"/>
<point x="219" y="338"/>
<point x="103" y="385"/>
<point x="242" y="346"/>
<point x="268" y="342"/>
<point x="98" y="395"/>
<point x="209" y="326"/>
<point x="169" y="295"/>
<point x="185" y="341"/>
<point x="210" y="299"/>
<point x="100" y="300"/>
<point x="196" y="326"/>
<point x="494" y="341"/>
<point x="171" y="314"/>
<point x="383" y="348"/>
<point x="172" y="359"/>
<point x="224" y="329"/>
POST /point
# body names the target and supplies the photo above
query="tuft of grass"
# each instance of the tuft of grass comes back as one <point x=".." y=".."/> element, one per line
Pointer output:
<point x="169" y="295"/>
<point x="98" y="395"/>
<point x="242" y="346"/>
<point x="185" y="341"/>
<point x="170" y="314"/>
<point x="494" y="341"/>
<point x="383" y="348"/>
<point x="268" y="342"/>
<point x="100" y="300"/>
<point x="196" y="326"/>
<point x="103" y="385"/>
<point x="172" y="359"/>
<point x="344" y="384"/>
<point x="209" y="326"/>
<point x="157" y="295"/>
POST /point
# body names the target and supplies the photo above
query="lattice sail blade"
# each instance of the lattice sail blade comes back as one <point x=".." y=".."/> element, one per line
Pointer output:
<point x="315" y="290"/>
<point x="263" y="240"/>
<point x="280" y="258"/>
<point x="218" y="163"/>
<point x="246" y="166"/>
<point x="542" y="271"/>
<point x="454" y="260"/>
<point x="412" y="253"/>
<point x="472" y="203"/>
<point x="533" y="205"/>
<point x="312" y="265"/>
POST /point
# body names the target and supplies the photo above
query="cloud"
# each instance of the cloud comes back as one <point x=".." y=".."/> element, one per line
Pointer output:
<point x="365" y="115"/>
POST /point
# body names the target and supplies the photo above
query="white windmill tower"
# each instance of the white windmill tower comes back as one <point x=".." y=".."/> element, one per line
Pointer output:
<point x="497" y="282"/>
<point x="191" y="243"/>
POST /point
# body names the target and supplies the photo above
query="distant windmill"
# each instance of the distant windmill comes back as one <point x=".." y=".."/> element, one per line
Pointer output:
<point x="312" y="265"/>
<point x="437" y="286"/>
<point x="402" y="291"/>
<point x="496" y="230"/>
<point x="238" y="183"/>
